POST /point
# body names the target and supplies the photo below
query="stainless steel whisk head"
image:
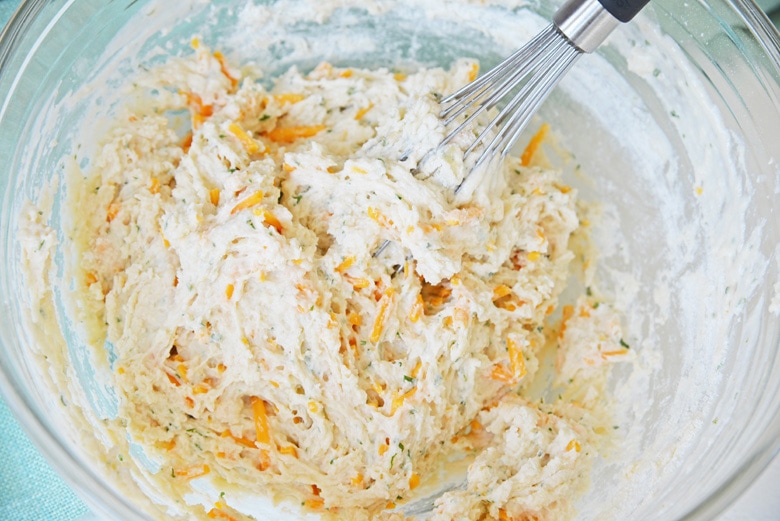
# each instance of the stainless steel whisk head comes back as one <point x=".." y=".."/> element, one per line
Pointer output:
<point x="536" y="68"/>
<point x="579" y="26"/>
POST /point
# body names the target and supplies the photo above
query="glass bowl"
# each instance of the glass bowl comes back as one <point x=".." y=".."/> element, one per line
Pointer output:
<point x="673" y="127"/>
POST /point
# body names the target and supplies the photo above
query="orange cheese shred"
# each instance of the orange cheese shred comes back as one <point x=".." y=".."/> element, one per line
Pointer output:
<point x="223" y="68"/>
<point x="216" y="513"/>
<point x="502" y="374"/>
<point x="501" y="291"/>
<point x="379" y="322"/>
<point x="264" y="461"/>
<point x="192" y="472"/>
<point x="354" y="318"/>
<point x="288" y="98"/>
<point x="398" y="401"/>
<point x="112" y="211"/>
<point x="516" y="361"/>
<point x="533" y="145"/>
<point x="200" y="389"/>
<point x="289" y="450"/>
<point x="269" y="219"/>
<point x="417" y="309"/>
<point x="362" y="112"/>
<point x="214" y="196"/>
<point x="200" y="112"/>
<point x="314" y="503"/>
<point x="261" y="421"/>
<point x="473" y="72"/>
<point x="249" y="202"/>
<point x="615" y="353"/>
<point x="290" y="134"/>
<point x="357" y="284"/>
<point x="250" y="145"/>
<point x="241" y="440"/>
<point x="345" y="264"/>
<point x="568" y="312"/>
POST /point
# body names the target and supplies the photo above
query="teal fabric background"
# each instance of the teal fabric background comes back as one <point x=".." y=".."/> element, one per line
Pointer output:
<point x="29" y="489"/>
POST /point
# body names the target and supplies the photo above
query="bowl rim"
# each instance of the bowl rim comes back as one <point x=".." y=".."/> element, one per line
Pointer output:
<point x="105" y="501"/>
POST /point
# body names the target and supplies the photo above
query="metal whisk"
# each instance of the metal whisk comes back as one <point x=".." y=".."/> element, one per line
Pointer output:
<point x="578" y="27"/>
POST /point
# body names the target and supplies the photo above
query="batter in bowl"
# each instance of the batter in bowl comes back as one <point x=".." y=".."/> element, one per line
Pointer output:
<point x="258" y="343"/>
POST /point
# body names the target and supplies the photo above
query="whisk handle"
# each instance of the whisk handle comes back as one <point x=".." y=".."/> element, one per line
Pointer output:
<point x="587" y="23"/>
<point x="623" y="10"/>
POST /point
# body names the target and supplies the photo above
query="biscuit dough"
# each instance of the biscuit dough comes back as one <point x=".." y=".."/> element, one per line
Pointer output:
<point x="226" y="238"/>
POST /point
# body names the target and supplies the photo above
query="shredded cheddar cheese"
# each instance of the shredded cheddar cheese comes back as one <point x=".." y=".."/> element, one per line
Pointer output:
<point x="290" y="134"/>
<point x="280" y="352"/>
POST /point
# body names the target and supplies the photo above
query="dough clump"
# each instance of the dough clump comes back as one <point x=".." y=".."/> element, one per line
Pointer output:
<point x="226" y="243"/>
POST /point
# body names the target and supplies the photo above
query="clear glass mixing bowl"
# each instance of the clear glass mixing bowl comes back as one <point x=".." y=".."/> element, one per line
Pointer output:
<point x="676" y="121"/>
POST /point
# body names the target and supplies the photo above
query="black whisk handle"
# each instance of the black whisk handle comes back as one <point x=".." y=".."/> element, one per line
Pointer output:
<point x="623" y="10"/>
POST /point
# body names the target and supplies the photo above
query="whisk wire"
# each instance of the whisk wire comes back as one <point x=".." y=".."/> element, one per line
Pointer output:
<point x="552" y="55"/>
<point x="507" y="75"/>
<point x="517" y="113"/>
<point x="517" y="124"/>
<point x="518" y="57"/>
<point x="579" y="26"/>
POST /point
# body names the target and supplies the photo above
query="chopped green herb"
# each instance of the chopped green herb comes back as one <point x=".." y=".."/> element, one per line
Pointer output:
<point x="264" y="117"/>
<point x="623" y="343"/>
<point x="408" y="378"/>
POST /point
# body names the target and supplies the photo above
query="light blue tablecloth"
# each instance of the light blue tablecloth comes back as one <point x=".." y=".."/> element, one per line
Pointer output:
<point x="29" y="489"/>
